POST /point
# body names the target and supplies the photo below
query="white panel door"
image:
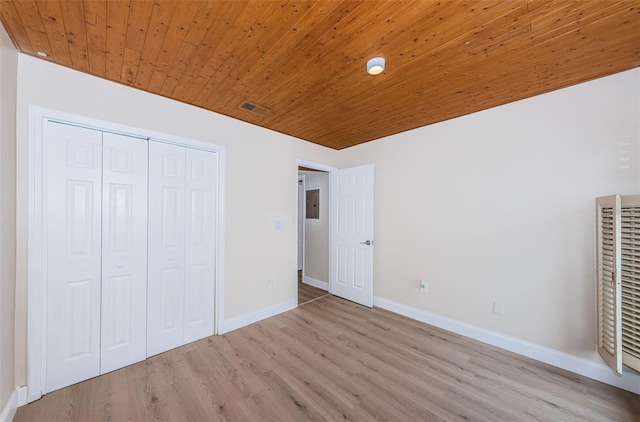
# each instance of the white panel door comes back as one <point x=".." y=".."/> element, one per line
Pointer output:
<point x="351" y="234"/>
<point x="124" y="251"/>
<point x="165" y="317"/>
<point x="73" y="173"/>
<point x="201" y="171"/>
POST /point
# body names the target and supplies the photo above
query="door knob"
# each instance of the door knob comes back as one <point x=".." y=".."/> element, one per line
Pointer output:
<point x="368" y="242"/>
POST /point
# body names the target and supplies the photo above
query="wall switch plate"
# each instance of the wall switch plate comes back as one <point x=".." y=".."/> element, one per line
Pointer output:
<point x="498" y="308"/>
<point x="424" y="286"/>
<point x="272" y="284"/>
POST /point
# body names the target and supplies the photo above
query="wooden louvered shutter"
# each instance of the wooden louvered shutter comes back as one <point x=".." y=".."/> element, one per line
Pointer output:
<point x="608" y="281"/>
<point x="630" y="278"/>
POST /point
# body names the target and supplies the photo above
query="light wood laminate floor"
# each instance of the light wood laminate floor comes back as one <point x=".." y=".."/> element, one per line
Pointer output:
<point x="307" y="293"/>
<point x="332" y="360"/>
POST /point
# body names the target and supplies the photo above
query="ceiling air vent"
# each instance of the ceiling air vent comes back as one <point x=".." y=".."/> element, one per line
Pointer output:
<point x="255" y="109"/>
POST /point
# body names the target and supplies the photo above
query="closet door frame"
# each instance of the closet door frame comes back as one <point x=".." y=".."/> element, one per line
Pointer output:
<point x="36" y="230"/>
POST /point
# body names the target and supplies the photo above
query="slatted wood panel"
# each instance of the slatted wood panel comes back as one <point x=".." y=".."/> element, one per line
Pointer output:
<point x="609" y="280"/>
<point x="332" y="360"/>
<point x="305" y="60"/>
<point x="630" y="288"/>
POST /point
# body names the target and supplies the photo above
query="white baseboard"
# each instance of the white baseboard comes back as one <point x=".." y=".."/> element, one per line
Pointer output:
<point x="9" y="409"/>
<point x="315" y="283"/>
<point x="588" y="368"/>
<point x="259" y="315"/>
<point x="22" y="395"/>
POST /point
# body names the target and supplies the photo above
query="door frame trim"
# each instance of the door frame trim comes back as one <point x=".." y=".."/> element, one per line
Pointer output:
<point x="302" y="208"/>
<point x="36" y="238"/>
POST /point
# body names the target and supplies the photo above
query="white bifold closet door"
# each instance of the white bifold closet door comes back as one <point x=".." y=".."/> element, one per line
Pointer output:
<point x="181" y="246"/>
<point x="124" y="251"/>
<point x="96" y="218"/>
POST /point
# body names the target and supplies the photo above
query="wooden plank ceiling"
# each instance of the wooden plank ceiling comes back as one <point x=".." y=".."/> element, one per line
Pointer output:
<point x="304" y="60"/>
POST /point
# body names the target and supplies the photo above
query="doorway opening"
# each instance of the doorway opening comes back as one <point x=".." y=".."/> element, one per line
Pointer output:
<point x="340" y="259"/>
<point x="313" y="233"/>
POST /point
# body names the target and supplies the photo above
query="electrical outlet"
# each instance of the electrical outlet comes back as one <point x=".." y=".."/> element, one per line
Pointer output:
<point x="498" y="308"/>
<point x="424" y="286"/>
<point x="272" y="284"/>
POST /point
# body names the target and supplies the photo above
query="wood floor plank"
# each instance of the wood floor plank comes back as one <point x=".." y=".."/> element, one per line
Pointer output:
<point x="220" y="390"/>
<point x="308" y="293"/>
<point x="324" y="396"/>
<point x="320" y="373"/>
<point x="238" y="370"/>
<point x="109" y="395"/>
<point x="333" y="360"/>
<point x="142" y="387"/>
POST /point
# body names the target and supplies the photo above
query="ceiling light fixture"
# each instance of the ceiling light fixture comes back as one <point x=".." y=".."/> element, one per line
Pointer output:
<point x="375" y="66"/>
<point x="42" y="54"/>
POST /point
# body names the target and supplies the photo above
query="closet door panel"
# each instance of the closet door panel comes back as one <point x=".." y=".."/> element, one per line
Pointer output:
<point x="165" y="322"/>
<point x="124" y="251"/>
<point x="73" y="172"/>
<point x="201" y="171"/>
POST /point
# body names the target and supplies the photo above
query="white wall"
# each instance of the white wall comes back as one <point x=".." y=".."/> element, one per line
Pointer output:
<point x="8" y="71"/>
<point x="316" y="253"/>
<point x="255" y="252"/>
<point x="499" y="206"/>
<point x="494" y="206"/>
